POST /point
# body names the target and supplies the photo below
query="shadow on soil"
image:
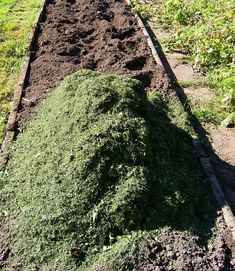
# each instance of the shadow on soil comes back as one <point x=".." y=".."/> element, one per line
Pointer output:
<point x="180" y="200"/>
<point x="184" y="101"/>
<point x="226" y="177"/>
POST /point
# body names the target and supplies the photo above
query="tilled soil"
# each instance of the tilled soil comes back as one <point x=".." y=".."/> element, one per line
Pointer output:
<point x="174" y="250"/>
<point x="87" y="34"/>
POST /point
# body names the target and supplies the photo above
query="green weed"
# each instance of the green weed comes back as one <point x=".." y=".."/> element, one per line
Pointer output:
<point x="187" y="83"/>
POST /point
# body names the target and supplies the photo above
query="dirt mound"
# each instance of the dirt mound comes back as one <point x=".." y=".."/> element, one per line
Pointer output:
<point x="100" y="160"/>
<point x="100" y="35"/>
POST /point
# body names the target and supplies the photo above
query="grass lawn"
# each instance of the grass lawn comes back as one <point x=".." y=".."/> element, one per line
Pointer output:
<point x="205" y="30"/>
<point x="16" y="18"/>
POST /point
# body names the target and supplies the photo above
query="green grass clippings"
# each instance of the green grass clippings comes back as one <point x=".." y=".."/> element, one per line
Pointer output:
<point x="101" y="160"/>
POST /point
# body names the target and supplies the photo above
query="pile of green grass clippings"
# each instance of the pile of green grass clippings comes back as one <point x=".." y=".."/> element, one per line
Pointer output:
<point x="102" y="159"/>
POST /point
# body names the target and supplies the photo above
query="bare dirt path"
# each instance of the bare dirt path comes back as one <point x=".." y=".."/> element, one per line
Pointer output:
<point x="223" y="144"/>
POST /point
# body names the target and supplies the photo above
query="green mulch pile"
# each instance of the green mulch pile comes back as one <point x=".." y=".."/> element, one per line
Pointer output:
<point x="102" y="159"/>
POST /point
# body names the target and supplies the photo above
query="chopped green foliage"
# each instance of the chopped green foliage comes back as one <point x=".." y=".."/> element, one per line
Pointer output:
<point x="101" y="159"/>
<point x="16" y="18"/>
<point x="205" y="30"/>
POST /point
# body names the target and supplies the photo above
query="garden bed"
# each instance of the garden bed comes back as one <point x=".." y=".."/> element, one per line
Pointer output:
<point x="100" y="35"/>
<point x="104" y="36"/>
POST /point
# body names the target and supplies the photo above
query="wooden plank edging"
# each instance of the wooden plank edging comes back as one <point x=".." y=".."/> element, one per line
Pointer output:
<point x="11" y="123"/>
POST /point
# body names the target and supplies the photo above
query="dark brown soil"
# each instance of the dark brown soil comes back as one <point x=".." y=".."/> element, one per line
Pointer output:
<point x="98" y="35"/>
<point x="177" y="251"/>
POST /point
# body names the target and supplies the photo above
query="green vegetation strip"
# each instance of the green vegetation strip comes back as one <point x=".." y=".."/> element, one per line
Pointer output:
<point x="101" y="164"/>
<point x="205" y="30"/>
<point x="16" y="19"/>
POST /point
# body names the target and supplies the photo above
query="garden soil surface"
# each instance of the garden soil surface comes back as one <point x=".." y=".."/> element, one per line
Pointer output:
<point x="87" y="34"/>
<point x="103" y="35"/>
